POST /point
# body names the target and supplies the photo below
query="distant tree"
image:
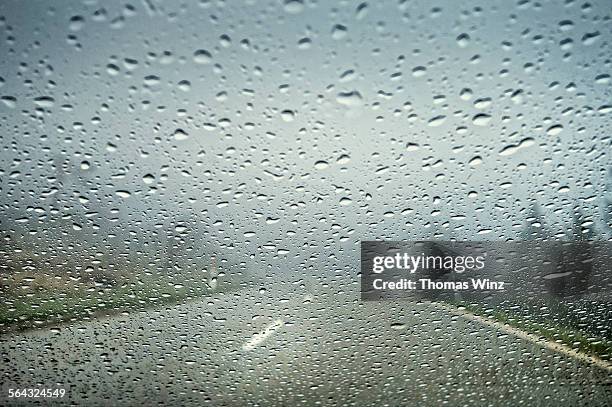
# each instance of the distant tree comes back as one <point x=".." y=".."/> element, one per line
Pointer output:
<point x="535" y="228"/>
<point x="607" y="204"/>
<point x="60" y="175"/>
<point x="582" y="227"/>
<point x="573" y="261"/>
<point x="607" y="215"/>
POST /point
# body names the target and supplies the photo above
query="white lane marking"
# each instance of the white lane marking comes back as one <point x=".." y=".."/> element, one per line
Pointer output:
<point x="258" y="338"/>
<point x="554" y="346"/>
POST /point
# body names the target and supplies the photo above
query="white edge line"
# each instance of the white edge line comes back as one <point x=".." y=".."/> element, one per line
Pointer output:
<point x="554" y="346"/>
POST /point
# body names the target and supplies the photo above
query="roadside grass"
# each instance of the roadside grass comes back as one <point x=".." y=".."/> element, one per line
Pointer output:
<point x="23" y="308"/>
<point x="545" y="327"/>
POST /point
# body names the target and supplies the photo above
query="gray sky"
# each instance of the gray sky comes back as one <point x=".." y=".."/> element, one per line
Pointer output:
<point x="321" y="122"/>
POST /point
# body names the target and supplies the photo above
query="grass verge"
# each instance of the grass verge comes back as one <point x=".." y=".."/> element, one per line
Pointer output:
<point x="24" y="309"/>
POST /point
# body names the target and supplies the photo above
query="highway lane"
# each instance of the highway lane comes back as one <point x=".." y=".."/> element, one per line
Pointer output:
<point x="284" y="346"/>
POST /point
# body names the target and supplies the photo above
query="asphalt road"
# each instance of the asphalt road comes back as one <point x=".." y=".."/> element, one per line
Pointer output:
<point x="287" y="347"/>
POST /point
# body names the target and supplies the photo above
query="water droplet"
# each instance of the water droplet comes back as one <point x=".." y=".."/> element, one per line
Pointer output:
<point x="554" y="130"/>
<point x="512" y="149"/>
<point x="343" y="159"/>
<point x="352" y="98"/>
<point x="148" y="179"/>
<point x="293" y="6"/>
<point x="345" y="201"/>
<point x="419" y="71"/>
<point x="590" y="38"/>
<point x="482" y="103"/>
<point x="463" y="40"/>
<point x="475" y="161"/>
<point x="339" y="32"/>
<point x="321" y="165"/>
<point x="202" y="56"/>
<point x="112" y="69"/>
<point x="288" y="115"/>
<point x="184" y="85"/>
<point x="436" y="121"/>
<point x="9" y="101"/>
<point x="517" y="96"/>
<point x="304" y="43"/>
<point x="44" y="101"/>
<point x="466" y="94"/>
<point x="481" y="119"/>
<point x="410" y="147"/>
<point x="566" y="25"/>
<point x="152" y="80"/>
<point x="123" y="193"/>
<point x="564" y="189"/>
<point x="180" y="134"/>
<point x="76" y="23"/>
<point x="362" y="10"/>
<point x="602" y="79"/>
<point x="347" y="75"/>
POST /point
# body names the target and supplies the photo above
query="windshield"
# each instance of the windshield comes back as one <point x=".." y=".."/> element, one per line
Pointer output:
<point x="186" y="188"/>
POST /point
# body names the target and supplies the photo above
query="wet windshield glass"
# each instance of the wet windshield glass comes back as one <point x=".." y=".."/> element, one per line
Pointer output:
<point x="184" y="188"/>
